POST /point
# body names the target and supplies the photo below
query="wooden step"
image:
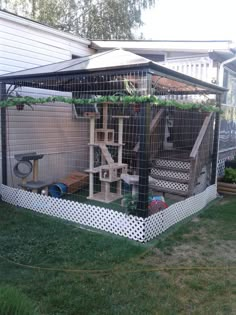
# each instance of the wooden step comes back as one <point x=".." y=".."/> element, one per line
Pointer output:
<point x="174" y="154"/>
<point x="171" y="185"/>
<point x="171" y="164"/>
<point x="170" y="179"/>
<point x="169" y="190"/>
<point x="171" y="175"/>
<point x="174" y="175"/>
<point x="173" y="169"/>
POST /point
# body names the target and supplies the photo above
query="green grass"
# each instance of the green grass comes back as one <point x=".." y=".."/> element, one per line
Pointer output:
<point x="208" y="240"/>
<point x="13" y="302"/>
<point x="81" y="196"/>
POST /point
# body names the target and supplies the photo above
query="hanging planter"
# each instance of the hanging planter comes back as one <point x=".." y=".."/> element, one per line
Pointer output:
<point x="20" y="106"/>
<point x="136" y="108"/>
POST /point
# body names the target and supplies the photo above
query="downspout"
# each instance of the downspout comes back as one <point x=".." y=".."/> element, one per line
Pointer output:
<point x="3" y="134"/>
<point x="216" y="144"/>
<point x="221" y="70"/>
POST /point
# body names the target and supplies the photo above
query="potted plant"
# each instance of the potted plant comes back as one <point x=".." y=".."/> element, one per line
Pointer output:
<point x="20" y="106"/>
<point x="12" y="93"/>
<point x="227" y="183"/>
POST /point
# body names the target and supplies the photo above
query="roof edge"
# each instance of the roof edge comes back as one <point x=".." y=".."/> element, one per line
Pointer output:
<point x="183" y="77"/>
<point x="45" y="28"/>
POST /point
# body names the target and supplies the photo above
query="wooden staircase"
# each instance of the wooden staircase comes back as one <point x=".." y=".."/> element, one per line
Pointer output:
<point x="179" y="172"/>
<point x="171" y="175"/>
<point x="185" y="169"/>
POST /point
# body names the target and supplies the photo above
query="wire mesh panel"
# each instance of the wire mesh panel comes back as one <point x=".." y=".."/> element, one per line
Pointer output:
<point x="107" y="141"/>
<point x="223" y="157"/>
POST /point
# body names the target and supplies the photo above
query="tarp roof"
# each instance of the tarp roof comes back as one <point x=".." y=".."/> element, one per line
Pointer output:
<point x="116" y="59"/>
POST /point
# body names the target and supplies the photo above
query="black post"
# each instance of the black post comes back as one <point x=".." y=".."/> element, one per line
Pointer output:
<point x="144" y="158"/>
<point x="215" y="151"/>
<point x="3" y="134"/>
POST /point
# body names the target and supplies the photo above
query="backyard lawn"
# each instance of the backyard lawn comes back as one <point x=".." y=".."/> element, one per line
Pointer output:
<point x="121" y="276"/>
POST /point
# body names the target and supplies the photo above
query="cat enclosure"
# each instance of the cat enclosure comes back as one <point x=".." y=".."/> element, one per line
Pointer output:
<point x="113" y="141"/>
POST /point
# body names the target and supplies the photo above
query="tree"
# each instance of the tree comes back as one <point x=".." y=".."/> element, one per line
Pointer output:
<point x="95" y="19"/>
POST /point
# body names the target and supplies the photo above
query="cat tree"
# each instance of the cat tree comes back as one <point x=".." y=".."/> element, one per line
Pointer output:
<point x="109" y="171"/>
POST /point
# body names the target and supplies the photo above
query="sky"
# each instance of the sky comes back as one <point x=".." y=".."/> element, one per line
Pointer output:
<point x="191" y="20"/>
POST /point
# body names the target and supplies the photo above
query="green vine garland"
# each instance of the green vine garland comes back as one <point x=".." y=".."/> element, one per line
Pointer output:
<point x="27" y="100"/>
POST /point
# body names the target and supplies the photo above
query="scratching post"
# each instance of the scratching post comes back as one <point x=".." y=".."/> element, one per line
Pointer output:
<point x="109" y="171"/>
<point x="35" y="172"/>
<point x="91" y="156"/>
<point x="35" y="185"/>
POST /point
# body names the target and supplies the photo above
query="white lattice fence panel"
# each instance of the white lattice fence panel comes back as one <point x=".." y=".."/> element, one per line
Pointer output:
<point x="132" y="227"/>
<point x="188" y="207"/>
<point x="9" y="194"/>
<point x="153" y="226"/>
<point x="226" y="156"/>
<point x="221" y="165"/>
<point x="161" y="221"/>
<point x="104" y="219"/>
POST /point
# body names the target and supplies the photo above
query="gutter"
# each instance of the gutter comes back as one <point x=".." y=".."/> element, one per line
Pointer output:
<point x="221" y="70"/>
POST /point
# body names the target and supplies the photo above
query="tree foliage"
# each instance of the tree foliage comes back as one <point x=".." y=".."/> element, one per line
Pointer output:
<point x="95" y="19"/>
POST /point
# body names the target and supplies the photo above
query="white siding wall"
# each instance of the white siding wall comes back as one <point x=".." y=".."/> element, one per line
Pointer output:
<point x="200" y="67"/>
<point x="25" y="44"/>
<point x="49" y="129"/>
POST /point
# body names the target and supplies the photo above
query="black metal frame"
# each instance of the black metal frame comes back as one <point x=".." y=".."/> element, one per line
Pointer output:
<point x="3" y="134"/>
<point x="152" y="69"/>
<point x="215" y="152"/>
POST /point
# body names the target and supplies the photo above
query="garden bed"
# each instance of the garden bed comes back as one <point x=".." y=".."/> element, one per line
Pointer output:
<point x="226" y="188"/>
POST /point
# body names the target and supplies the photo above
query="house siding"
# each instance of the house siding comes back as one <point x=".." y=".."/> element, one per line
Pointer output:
<point x="50" y="128"/>
<point x="200" y="67"/>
